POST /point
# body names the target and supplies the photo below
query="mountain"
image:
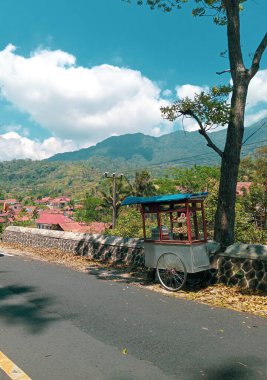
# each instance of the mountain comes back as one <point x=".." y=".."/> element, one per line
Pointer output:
<point x="181" y="148"/>
<point x="125" y="154"/>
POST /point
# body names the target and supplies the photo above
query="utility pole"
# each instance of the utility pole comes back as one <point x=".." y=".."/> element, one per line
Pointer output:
<point x="114" y="176"/>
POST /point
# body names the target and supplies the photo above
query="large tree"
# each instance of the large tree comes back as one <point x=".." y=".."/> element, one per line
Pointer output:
<point x="209" y="108"/>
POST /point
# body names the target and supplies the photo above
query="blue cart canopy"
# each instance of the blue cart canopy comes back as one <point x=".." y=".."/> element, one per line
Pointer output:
<point x="162" y="198"/>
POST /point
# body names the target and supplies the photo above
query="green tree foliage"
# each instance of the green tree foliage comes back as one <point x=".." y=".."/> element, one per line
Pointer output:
<point x="196" y="179"/>
<point x="210" y="206"/>
<point x="261" y="165"/>
<point x="254" y="166"/>
<point x="246" y="227"/>
<point x="210" y="109"/>
<point x="129" y="224"/>
<point x="23" y="212"/>
<point x="2" y="194"/>
<point x="255" y="202"/>
<point x="27" y="223"/>
<point x="143" y="185"/>
<point x="166" y="185"/>
<point x="91" y="211"/>
<point x="250" y="225"/>
<point x="40" y="178"/>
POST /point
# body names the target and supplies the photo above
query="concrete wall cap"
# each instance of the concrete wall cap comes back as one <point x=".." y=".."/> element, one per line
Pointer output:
<point x="246" y="251"/>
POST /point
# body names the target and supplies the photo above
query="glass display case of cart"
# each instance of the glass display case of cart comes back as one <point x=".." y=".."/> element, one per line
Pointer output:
<point x="174" y="219"/>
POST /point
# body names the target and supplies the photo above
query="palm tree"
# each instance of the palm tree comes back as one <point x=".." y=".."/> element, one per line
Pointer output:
<point x="143" y="185"/>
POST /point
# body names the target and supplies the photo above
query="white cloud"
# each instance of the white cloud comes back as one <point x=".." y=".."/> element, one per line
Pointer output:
<point x="189" y="124"/>
<point x="256" y="100"/>
<point x="167" y="93"/>
<point x="256" y="108"/>
<point x="183" y="91"/>
<point x="257" y="92"/>
<point x="16" y="128"/>
<point x="13" y="145"/>
<point x="78" y="103"/>
<point x="189" y="90"/>
<point x="81" y="106"/>
<point x="255" y="117"/>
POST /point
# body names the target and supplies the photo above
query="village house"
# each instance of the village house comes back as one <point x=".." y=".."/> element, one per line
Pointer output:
<point x="60" y="222"/>
<point x="242" y="188"/>
<point x="13" y="211"/>
<point x="59" y="202"/>
<point x="43" y="201"/>
<point x="51" y="221"/>
<point x="7" y="204"/>
<point x="54" y="203"/>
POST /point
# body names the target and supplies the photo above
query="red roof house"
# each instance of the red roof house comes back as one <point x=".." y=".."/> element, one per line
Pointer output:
<point x="43" y="201"/>
<point x="57" y="221"/>
<point x="59" y="202"/>
<point x="51" y="221"/>
<point x="243" y="188"/>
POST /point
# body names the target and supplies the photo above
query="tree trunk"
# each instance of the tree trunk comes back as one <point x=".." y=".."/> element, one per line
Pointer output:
<point x="225" y="213"/>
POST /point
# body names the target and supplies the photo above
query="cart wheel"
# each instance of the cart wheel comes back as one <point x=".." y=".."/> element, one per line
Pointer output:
<point x="171" y="271"/>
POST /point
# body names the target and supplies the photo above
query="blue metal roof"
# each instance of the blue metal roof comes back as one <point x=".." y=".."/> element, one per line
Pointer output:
<point x="162" y="198"/>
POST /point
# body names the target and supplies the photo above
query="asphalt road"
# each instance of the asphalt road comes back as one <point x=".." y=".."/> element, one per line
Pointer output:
<point x="56" y="323"/>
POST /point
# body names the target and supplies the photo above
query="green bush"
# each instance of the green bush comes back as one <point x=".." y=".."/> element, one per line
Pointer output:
<point x="129" y="224"/>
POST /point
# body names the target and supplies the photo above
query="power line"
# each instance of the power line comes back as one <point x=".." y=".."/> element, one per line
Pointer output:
<point x="256" y="142"/>
<point x="186" y="159"/>
<point x="182" y="160"/>
<point x="254" y="133"/>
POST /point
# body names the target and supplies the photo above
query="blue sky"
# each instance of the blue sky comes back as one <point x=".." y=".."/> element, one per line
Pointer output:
<point x="73" y="73"/>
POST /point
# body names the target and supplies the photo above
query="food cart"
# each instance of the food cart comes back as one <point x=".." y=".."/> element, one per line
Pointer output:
<point x="175" y="237"/>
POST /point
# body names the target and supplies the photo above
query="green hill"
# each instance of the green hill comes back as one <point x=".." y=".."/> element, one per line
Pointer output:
<point x="185" y="148"/>
<point x="75" y="173"/>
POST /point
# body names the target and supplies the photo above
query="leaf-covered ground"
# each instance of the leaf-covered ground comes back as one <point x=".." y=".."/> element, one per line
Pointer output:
<point x="242" y="300"/>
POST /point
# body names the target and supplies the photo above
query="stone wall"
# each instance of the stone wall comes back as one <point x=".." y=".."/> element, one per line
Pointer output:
<point x="241" y="264"/>
<point x="98" y="247"/>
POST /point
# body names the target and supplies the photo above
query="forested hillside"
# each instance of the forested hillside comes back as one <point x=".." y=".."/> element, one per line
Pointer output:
<point x="156" y="155"/>
<point x="183" y="148"/>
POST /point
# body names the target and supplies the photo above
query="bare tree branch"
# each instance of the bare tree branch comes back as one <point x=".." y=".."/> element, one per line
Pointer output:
<point x="222" y="72"/>
<point x="203" y="132"/>
<point x="257" y="57"/>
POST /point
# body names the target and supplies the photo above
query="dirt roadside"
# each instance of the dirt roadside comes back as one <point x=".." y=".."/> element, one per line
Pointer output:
<point x="242" y="300"/>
